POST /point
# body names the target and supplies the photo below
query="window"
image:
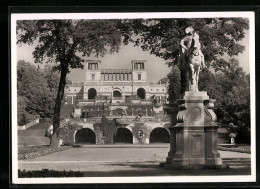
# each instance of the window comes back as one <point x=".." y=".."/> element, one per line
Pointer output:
<point x="163" y="90"/>
<point x="142" y="65"/>
<point x="135" y="66"/>
<point x="93" y="77"/>
<point x="92" y="66"/>
<point x="110" y="77"/>
<point x="139" y="77"/>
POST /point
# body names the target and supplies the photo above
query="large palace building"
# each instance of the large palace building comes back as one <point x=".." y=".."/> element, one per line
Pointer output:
<point x="117" y="85"/>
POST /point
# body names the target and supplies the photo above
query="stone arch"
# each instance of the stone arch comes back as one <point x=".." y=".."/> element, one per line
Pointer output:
<point x="92" y="93"/>
<point x="159" y="135"/>
<point x="141" y="93"/>
<point x="123" y="135"/>
<point x="117" y="93"/>
<point x="85" y="136"/>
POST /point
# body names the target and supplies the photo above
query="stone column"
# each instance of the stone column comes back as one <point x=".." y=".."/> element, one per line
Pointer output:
<point x="193" y="140"/>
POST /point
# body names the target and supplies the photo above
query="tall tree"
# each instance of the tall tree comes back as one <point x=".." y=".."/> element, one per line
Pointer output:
<point x="33" y="92"/>
<point x="62" y="42"/>
<point x="230" y="86"/>
<point x="218" y="36"/>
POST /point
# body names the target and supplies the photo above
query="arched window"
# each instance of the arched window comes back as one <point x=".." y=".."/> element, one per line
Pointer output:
<point x="92" y="93"/>
<point x="141" y="93"/>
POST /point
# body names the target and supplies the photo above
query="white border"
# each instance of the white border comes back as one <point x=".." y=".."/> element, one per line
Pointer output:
<point x="157" y="179"/>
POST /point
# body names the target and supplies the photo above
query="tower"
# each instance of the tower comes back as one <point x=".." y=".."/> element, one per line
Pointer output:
<point x="139" y="71"/>
<point x="93" y="73"/>
<point x="93" y="76"/>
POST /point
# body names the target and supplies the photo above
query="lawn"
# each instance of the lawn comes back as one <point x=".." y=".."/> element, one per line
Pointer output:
<point x="31" y="152"/>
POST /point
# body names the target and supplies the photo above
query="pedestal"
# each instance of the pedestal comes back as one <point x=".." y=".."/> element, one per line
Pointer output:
<point x="193" y="140"/>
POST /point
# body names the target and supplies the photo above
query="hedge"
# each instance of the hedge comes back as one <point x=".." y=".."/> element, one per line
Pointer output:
<point x="48" y="173"/>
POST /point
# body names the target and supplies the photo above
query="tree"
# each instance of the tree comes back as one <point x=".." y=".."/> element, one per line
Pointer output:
<point x="61" y="41"/>
<point x="230" y="86"/>
<point x="218" y="36"/>
<point x="34" y="96"/>
<point x="52" y="78"/>
<point x="22" y="114"/>
<point x="174" y="80"/>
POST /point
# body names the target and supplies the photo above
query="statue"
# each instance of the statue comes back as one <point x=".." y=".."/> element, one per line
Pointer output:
<point x="191" y="57"/>
<point x="195" y="116"/>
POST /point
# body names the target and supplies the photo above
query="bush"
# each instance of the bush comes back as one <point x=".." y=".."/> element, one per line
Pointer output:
<point x="48" y="173"/>
<point x="242" y="133"/>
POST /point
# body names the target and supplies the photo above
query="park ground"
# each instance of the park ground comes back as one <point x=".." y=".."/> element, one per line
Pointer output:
<point x="115" y="160"/>
<point x="128" y="160"/>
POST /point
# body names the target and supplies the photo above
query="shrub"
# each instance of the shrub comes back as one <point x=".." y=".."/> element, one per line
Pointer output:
<point x="48" y="173"/>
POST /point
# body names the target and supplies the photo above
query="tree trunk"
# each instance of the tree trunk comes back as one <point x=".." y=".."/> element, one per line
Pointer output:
<point x="56" y="117"/>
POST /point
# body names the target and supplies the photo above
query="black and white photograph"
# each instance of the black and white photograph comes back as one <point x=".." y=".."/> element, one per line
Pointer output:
<point x="162" y="97"/>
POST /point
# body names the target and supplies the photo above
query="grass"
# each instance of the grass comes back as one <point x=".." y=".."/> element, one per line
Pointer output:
<point x="242" y="148"/>
<point x="31" y="152"/>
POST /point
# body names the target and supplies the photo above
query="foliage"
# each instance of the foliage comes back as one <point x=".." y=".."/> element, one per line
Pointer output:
<point x="52" y="78"/>
<point x="48" y="173"/>
<point x="108" y="127"/>
<point x="22" y="114"/>
<point x="37" y="89"/>
<point x="61" y="41"/>
<point x="230" y="86"/>
<point x="34" y="96"/>
<point x="174" y="86"/>
<point x="161" y="37"/>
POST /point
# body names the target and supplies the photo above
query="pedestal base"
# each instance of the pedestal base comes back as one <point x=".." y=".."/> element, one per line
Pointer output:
<point x="193" y="140"/>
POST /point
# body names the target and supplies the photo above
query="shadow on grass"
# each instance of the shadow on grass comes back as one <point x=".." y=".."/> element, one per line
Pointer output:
<point x="152" y="169"/>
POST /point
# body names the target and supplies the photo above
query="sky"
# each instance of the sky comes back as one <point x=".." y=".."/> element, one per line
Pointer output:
<point x="155" y="66"/>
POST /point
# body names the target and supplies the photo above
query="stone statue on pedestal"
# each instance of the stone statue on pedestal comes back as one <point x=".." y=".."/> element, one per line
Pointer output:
<point x="193" y="131"/>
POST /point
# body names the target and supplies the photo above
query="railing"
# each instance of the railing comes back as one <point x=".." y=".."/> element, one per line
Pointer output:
<point x="124" y="119"/>
<point x="28" y="125"/>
